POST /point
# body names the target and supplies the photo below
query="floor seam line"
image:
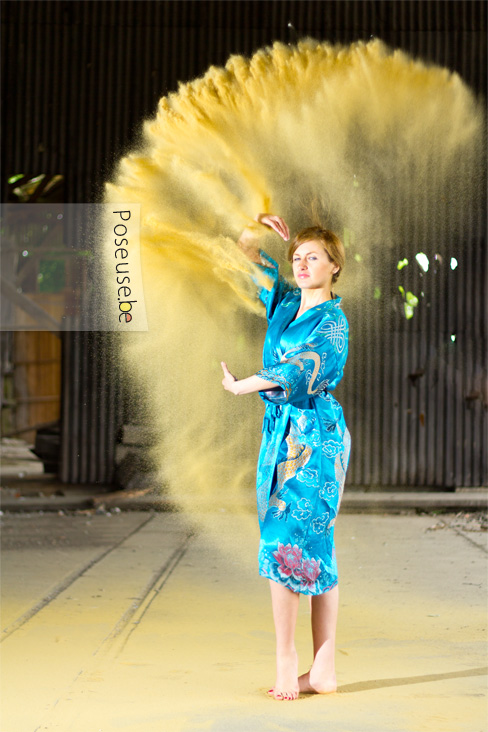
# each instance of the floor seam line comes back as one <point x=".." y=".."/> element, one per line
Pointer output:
<point x="35" y="609"/>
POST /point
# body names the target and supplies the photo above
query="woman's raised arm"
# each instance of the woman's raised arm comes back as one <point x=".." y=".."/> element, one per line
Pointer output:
<point x="248" y="239"/>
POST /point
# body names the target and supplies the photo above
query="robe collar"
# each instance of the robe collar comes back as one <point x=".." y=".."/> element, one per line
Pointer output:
<point x="289" y="308"/>
<point x="323" y="306"/>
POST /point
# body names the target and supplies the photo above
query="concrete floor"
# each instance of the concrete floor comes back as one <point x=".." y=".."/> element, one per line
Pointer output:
<point x="143" y="622"/>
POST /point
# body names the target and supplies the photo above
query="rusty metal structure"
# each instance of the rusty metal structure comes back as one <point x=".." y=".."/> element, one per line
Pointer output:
<point x="79" y="77"/>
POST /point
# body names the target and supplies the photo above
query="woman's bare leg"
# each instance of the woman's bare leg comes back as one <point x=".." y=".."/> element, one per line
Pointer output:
<point x="321" y="678"/>
<point x="285" y="611"/>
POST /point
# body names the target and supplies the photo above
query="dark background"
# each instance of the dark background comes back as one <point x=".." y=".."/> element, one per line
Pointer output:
<point x="78" y="78"/>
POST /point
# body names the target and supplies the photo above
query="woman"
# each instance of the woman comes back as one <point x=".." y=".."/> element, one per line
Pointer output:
<point x="305" y="447"/>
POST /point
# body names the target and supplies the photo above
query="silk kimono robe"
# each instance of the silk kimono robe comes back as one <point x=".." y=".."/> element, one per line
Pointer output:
<point x="305" y="444"/>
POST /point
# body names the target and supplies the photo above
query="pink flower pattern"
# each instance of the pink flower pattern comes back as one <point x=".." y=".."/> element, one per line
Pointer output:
<point x="310" y="571"/>
<point x="292" y="564"/>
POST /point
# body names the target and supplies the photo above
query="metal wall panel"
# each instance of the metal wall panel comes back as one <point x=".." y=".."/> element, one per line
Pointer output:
<point x="92" y="407"/>
<point x="78" y="78"/>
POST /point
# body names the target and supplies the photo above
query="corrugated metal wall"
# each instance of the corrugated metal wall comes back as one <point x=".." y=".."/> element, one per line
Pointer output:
<point x="79" y="77"/>
<point x="91" y="409"/>
<point x="415" y="392"/>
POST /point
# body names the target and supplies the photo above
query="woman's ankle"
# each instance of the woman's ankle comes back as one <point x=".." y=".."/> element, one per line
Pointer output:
<point x="286" y="651"/>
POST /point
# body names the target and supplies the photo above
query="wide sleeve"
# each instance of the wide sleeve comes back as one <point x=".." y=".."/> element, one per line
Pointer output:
<point x="308" y="369"/>
<point x="272" y="287"/>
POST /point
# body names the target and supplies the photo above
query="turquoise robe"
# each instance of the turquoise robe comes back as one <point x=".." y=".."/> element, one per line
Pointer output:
<point x="305" y="445"/>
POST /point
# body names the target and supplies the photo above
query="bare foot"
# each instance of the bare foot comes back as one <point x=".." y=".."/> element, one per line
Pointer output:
<point x="286" y="687"/>
<point x="309" y="683"/>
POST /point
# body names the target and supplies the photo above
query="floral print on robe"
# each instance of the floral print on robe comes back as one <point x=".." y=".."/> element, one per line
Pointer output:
<point x="305" y="445"/>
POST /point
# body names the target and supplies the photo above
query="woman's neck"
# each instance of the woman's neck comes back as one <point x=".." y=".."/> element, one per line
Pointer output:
<point x="312" y="298"/>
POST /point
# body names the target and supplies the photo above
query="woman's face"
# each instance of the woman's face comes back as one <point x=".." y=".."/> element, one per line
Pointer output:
<point x="312" y="267"/>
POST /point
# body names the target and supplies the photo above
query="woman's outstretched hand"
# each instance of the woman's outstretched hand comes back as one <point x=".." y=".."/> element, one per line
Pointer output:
<point x="229" y="380"/>
<point x="274" y="222"/>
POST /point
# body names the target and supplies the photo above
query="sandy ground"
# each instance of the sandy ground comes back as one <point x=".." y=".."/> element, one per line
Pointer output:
<point x="130" y="622"/>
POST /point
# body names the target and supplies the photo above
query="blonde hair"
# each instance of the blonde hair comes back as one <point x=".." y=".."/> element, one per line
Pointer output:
<point x="330" y="242"/>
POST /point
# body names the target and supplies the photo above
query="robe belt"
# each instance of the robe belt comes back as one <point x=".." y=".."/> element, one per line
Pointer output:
<point x="273" y="412"/>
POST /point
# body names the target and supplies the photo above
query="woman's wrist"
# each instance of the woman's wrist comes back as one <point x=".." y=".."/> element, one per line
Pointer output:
<point x="252" y="231"/>
<point x="239" y="387"/>
<point x="251" y="385"/>
<point x="255" y="228"/>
